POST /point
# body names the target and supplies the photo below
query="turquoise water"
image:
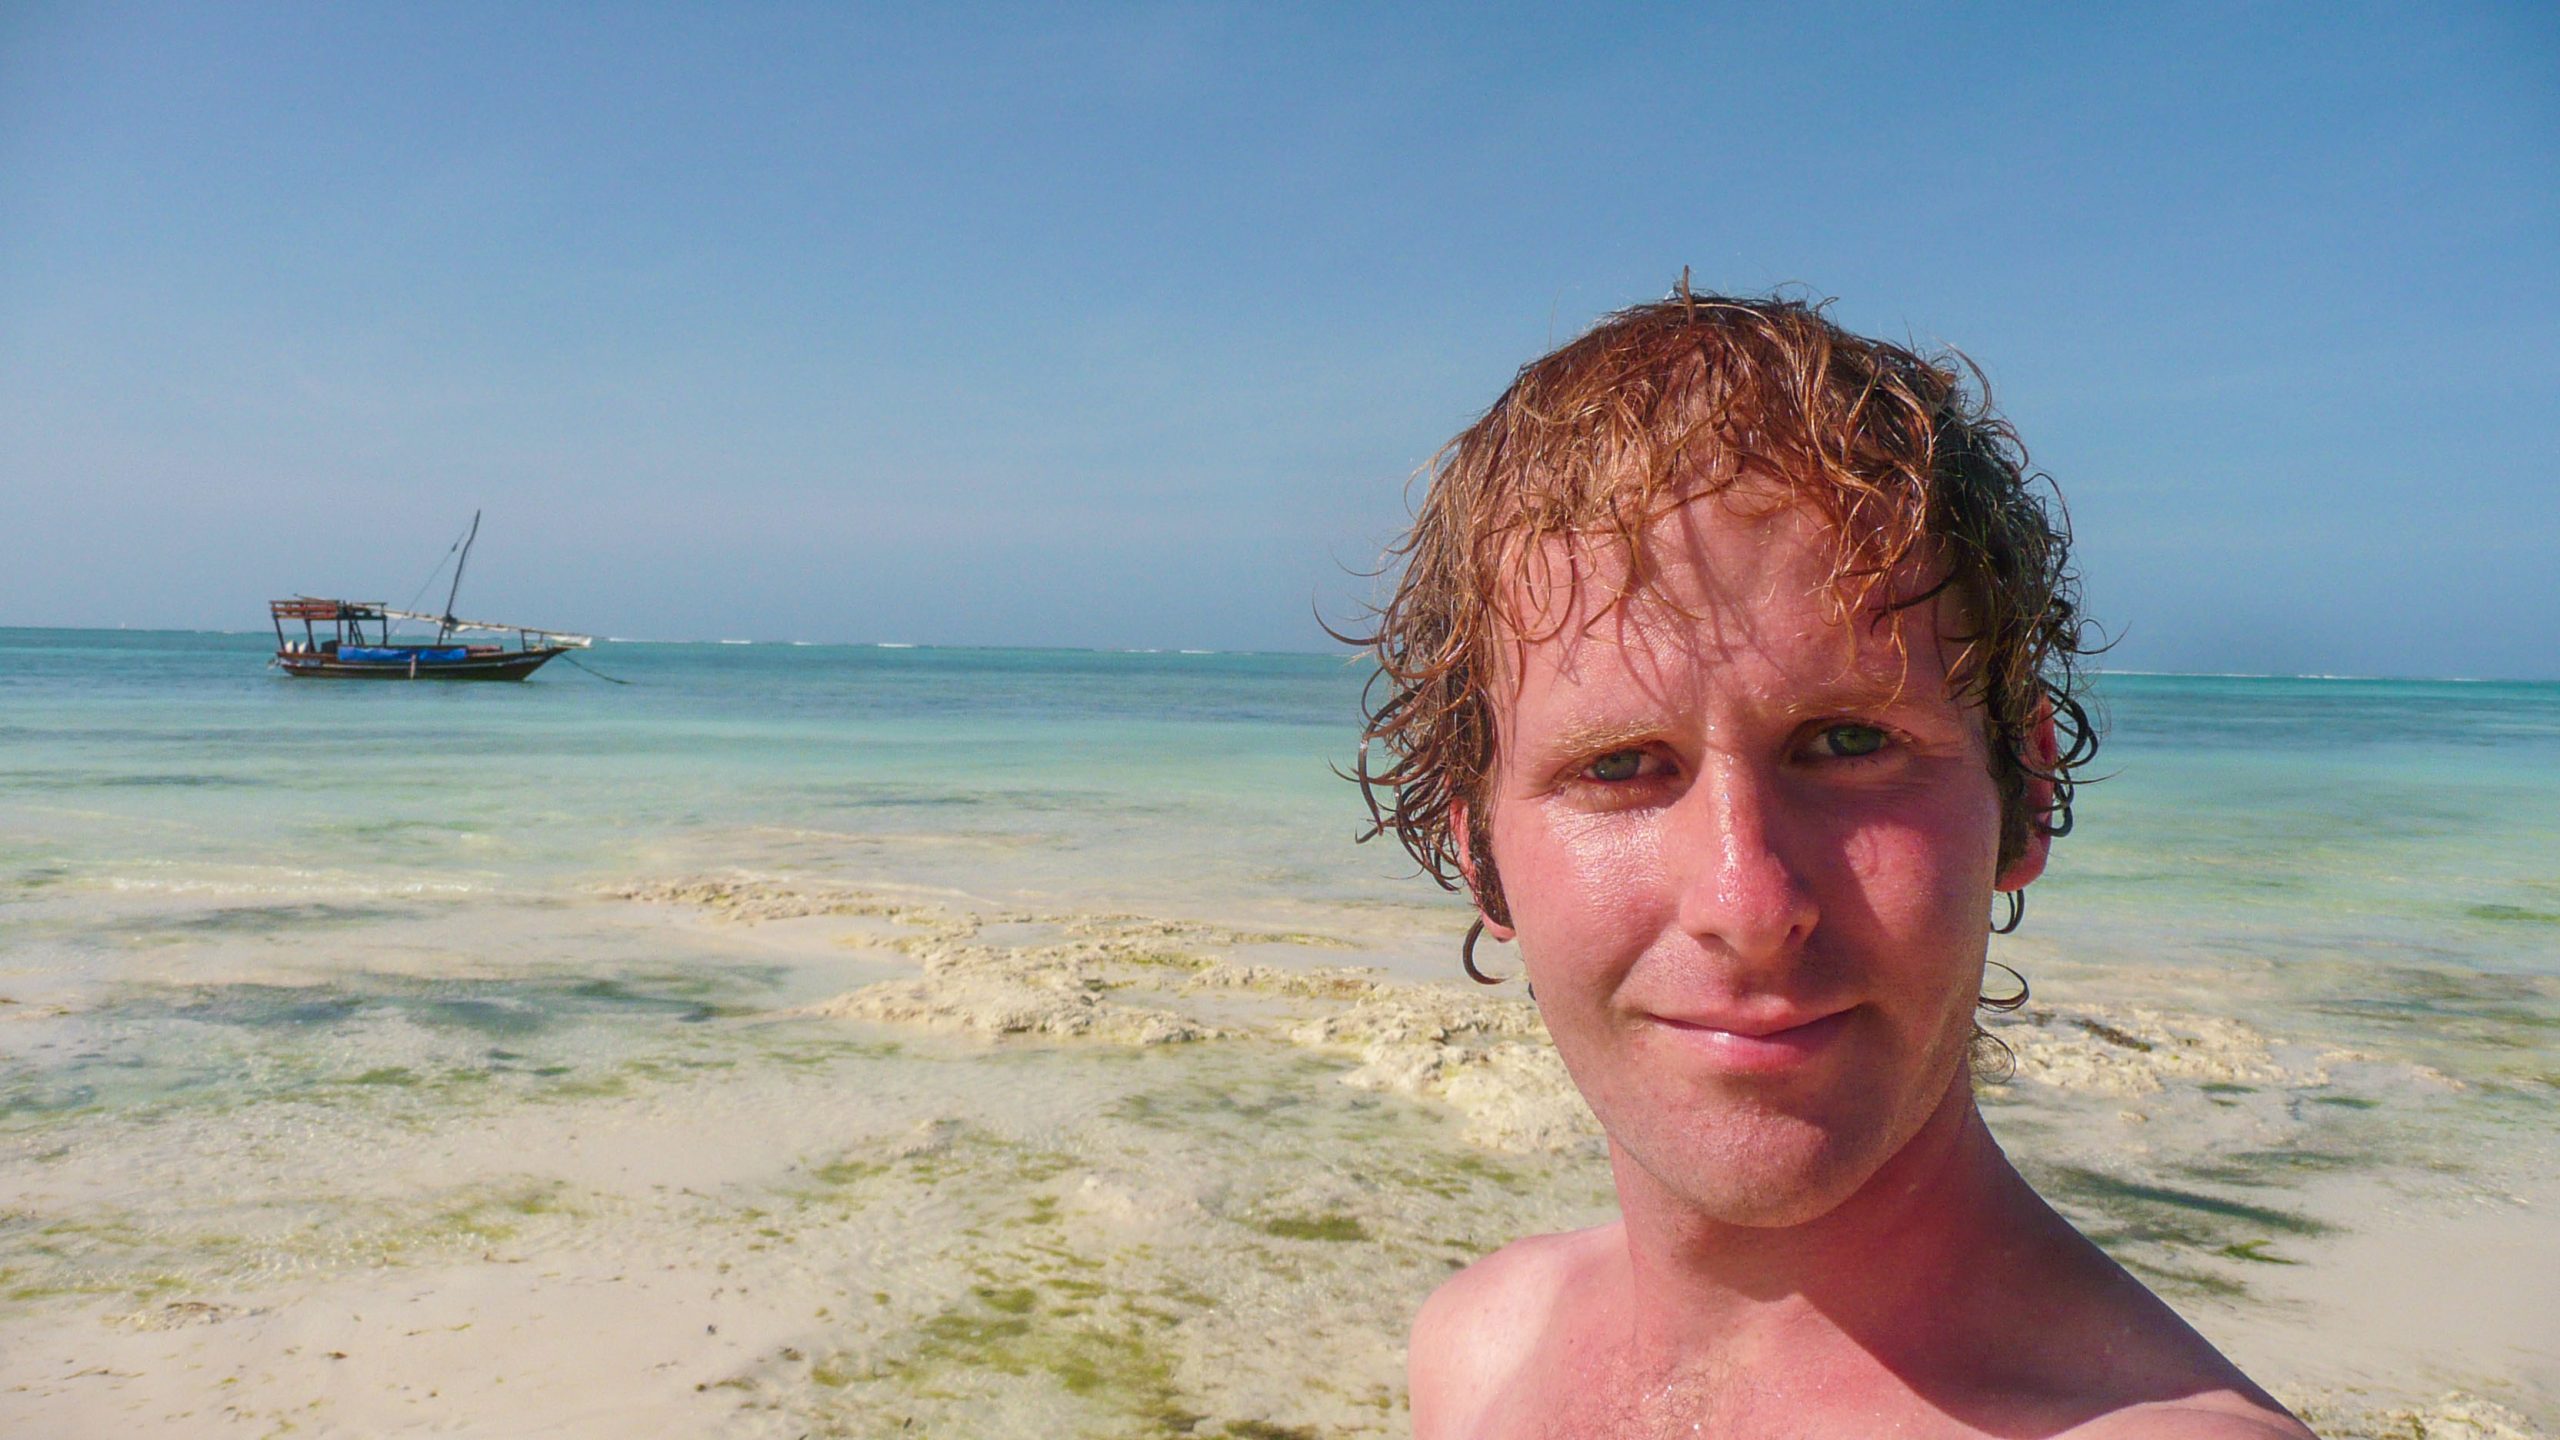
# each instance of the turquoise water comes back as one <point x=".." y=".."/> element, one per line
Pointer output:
<point x="2386" y="821"/>
<point x="159" y="760"/>
<point x="2371" y="861"/>
<point x="2384" y="817"/>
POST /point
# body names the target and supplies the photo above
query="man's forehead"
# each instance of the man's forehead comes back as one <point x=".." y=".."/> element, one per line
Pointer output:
<point x="1714" y="583"/>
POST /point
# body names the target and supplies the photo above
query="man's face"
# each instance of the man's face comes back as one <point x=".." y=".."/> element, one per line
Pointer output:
<point x="1749" y="850"/>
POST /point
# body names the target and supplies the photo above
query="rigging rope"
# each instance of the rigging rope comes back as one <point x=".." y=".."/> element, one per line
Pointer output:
<point x="423" y="585"/>
<point x="572" y="659"/>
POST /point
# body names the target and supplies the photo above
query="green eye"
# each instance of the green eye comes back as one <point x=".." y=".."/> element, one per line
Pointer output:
<point x="1850" y="742"/>
<point x="1617" y="765"/>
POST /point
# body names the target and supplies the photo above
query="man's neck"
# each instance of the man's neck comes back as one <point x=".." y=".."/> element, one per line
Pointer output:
<point x="1886" y="1270"/>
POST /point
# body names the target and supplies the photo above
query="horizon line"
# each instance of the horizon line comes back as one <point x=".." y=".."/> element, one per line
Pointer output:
<point x="2330" y="676"/>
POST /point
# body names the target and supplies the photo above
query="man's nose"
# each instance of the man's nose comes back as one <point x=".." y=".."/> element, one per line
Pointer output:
<point x="1730" y="852"/>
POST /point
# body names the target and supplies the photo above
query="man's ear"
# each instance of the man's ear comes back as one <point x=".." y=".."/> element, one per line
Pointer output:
<point x="2042" y="750"/>
<point x="1461" y="829"/>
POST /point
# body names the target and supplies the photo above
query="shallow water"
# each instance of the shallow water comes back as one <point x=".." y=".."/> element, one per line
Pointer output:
<point x="334" y="1008"/>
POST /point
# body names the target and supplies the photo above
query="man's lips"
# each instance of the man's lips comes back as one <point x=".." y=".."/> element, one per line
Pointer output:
<point x="1755" y="1043"/>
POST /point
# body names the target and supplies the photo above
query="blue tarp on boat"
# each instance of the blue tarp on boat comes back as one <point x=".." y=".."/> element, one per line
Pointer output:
<point x="402" y="654"/>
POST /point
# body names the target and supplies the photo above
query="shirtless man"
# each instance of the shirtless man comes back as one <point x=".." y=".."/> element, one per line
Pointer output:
<point x="1731" y="670"/>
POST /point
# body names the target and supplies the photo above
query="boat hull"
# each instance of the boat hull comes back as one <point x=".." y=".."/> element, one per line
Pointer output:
<point x="505" y="665"/>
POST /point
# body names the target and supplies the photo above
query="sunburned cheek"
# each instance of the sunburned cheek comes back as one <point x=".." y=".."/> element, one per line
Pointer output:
<point x="1932" y="840"/>
<point x="1927" y="893"/>
<point x="1581" y="889"/>
<point x="1901" y="856"/>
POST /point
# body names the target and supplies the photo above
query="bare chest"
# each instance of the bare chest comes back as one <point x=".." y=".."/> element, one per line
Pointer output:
<point x="1604" y="1398"/>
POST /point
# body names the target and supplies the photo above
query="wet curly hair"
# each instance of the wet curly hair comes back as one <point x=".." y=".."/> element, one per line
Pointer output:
<point x="1660" y="404"/>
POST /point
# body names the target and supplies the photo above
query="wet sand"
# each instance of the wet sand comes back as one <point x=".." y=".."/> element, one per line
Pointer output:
<point x="896" y="1161"/>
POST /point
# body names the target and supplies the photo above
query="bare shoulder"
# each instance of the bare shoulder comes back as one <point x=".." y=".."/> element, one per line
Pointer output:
<point x="1472" y="1335"/>
<point x="2156" y="1378"/>
<point x="2223" y="1415"/>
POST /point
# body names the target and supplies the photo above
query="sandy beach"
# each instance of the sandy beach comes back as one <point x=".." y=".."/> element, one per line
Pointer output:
<point x="921" y="1167"/>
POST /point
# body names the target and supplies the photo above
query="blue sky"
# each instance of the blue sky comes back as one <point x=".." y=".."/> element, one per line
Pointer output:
<point x="1125" y="325"/>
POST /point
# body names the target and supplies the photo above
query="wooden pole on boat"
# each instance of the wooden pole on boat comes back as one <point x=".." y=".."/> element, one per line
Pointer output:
<point x="444" y="628"/>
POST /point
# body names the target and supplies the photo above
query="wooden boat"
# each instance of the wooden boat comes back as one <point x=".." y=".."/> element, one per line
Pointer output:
<point x="349" y="651"/>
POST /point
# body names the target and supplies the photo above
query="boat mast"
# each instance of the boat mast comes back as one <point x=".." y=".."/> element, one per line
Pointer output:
<point x="444" y="627"/>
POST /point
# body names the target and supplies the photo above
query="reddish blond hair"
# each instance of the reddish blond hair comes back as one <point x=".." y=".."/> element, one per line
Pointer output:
<point x="1658" y="405"/>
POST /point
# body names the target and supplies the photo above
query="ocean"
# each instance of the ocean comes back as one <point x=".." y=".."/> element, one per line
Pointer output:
<point x="315" y="992"/>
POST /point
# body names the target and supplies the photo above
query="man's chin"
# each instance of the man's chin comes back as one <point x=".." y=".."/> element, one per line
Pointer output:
<point x="1773" y="1174"/>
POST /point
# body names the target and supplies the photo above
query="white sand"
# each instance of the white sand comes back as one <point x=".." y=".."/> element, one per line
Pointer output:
<point x="964" y="1171"/>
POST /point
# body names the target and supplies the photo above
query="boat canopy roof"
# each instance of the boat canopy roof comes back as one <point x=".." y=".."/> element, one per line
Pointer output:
<point x="309" y="608"/>
<point x="303" y="607"/>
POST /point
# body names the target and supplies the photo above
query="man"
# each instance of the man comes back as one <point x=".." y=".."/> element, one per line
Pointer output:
<point x="1731" y="669"/>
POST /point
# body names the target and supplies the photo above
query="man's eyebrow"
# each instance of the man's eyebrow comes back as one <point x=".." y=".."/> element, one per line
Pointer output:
<point x="1860" y="692"/>
<point x="1597" y="737"/>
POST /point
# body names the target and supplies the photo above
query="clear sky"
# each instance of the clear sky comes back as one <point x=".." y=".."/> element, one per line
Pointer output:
<point x="1123" y="325"/>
